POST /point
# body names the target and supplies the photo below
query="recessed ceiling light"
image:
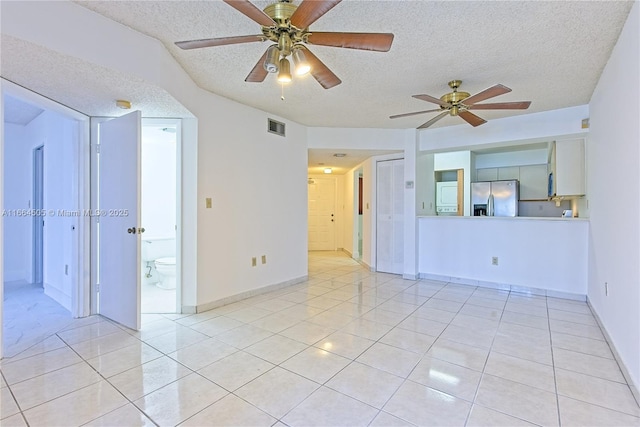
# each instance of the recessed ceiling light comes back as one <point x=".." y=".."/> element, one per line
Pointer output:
<point x="328" y="170"/>
<point x="339" y="155"/>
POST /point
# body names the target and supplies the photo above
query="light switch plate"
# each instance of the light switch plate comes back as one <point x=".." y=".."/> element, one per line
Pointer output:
<point x="208" y="202"/>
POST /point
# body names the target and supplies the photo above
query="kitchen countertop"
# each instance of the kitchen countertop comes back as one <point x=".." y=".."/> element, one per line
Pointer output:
<point x="509" y="218"/>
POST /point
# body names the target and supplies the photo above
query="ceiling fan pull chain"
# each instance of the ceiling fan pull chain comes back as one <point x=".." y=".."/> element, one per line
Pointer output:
<point x="282" y="91"/>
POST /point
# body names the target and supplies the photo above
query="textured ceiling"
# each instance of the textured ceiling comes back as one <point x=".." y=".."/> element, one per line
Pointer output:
<point x="19" y="112"/>
<point x="83" y="86"/>
<point x="548" y="52"/>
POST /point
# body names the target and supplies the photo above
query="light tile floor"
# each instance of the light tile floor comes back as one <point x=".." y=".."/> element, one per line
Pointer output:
<point x="347" y="347"/>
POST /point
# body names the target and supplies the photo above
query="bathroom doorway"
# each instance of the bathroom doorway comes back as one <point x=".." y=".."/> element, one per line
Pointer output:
<point x="160" y="216"/>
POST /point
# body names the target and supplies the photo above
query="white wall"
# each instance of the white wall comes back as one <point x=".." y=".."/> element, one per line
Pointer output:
<point x="2" y="226"/>
<point x="364" y="139"/>
<point x="59" y="136"/>
<point x="158" y="176"/>
<point x="512" y="131"/>
<point x="350" y="185"/>
<point x="17" y="162"/>
<point x="613" y="179"/>
<point x="425" y="184"/>
<point x="543" y="254"/>
<point x="258" y="183"/>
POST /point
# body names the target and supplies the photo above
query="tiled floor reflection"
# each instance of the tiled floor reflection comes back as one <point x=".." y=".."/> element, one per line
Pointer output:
<point x="347" y="347"/>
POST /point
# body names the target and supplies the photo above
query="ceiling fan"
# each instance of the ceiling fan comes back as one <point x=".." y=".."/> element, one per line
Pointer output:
<point x="459" y="103"/>
<point x="287" y="25"/>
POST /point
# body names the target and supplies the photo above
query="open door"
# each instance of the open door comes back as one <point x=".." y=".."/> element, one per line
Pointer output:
<point x="119" y="227"/>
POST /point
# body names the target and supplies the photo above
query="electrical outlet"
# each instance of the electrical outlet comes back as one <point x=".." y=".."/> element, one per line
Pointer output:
<point x="606" y="289"/>
<point x="264" y="259"/>
<point x="254" y="262"/>
<point x="494" y="260"/>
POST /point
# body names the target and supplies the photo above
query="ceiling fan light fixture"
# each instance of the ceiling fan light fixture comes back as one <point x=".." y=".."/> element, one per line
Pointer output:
<point x="284" y="75"/>
<point x="272" y="58"/>
<point x="300" y="62"/>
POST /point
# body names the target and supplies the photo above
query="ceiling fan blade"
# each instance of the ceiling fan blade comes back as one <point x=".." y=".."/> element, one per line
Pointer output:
<point x="413" y="114"/>
<point x="430" y="98"/>
<point x="432" y="121"/>
<point x="521" y="105"/>
<point x="258" y="73"/>
<point x="251" y="11"/>
<point x="471" y="118"/>
<point x="195" y="44"/>
<point x="321" y="72"/>
<point x="309" y="11"/>
<point x="486" y="94"/>
<point x="380" y="42"/>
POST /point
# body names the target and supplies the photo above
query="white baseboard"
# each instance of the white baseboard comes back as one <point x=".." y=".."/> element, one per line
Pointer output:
<point x="14" y="276"/>
<point x="57" y="295"/>
<point x="625" y="372"/>
<point x="504" y="287"/>
<point x="186" y="309"/>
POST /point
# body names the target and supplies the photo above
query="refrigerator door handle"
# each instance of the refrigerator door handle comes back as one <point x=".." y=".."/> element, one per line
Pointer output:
<point x="490" y="211"/>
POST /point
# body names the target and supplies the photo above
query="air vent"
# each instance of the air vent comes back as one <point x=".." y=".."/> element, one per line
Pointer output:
<point x="276" y="127"/>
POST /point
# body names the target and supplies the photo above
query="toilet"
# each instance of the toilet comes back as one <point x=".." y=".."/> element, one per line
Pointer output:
<point x="167" y="268"/>
<point x="159" y="261"/>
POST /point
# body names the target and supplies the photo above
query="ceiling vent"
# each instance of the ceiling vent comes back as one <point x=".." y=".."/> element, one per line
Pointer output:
<point x="275" y="127"/>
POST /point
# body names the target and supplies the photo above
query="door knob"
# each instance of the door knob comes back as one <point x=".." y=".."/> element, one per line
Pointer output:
<point x="140" y="230"/>
<point x="131" y="230"/>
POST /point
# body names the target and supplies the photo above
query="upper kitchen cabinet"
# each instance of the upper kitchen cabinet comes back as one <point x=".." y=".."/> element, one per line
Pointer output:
<point x="566" y="161"/>
<point x="533" y="182"/>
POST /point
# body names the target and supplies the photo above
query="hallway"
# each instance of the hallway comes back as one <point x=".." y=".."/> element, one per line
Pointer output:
<point x="29" y="316"/>
<point x="346" y="347"/>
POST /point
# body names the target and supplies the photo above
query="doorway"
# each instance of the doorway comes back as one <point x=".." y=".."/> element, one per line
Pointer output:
<point x="148" y="277"/>
<point x="322" y="216"/>
<point x="159" y="216"/>
<point x="43" y="229"/>
<point x="390" y="216"/>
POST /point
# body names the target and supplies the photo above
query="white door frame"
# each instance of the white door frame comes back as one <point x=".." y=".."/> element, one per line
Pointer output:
<point x="80" y="298"/>
<point x="37" y="252"/>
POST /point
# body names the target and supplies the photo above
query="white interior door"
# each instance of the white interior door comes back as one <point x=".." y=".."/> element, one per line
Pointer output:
<point x="119" y="273"/>
<point x="390" y="216"/>
<point x="322" y="205"/>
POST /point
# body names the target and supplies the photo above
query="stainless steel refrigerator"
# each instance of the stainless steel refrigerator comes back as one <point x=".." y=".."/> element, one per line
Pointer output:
<point x="495" y="198"/>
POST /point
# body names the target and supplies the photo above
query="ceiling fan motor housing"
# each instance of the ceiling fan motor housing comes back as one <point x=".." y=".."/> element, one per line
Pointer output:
<point x="454" y="98"/>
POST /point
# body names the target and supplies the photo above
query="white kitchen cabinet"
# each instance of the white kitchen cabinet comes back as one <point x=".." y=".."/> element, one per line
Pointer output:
<point x="512" y="172"/>
<point x="487" y="174"/>
<point x="534" y="182"/>
<point x="567" y="165"/>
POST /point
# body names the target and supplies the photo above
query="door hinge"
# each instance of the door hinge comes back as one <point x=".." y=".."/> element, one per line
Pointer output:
<point x="97" y="287"/>
<point x="98" y="148"/>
